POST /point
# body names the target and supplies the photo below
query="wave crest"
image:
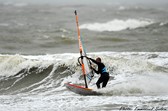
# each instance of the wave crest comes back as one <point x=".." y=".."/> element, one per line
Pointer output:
<point x="117" y="25"/>
<point x="46" y="74"/>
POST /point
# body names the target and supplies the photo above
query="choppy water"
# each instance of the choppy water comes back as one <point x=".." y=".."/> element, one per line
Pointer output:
<point x="43" y="29"/>
<point x="37" y="82"/>
<point x="39" y="51"/>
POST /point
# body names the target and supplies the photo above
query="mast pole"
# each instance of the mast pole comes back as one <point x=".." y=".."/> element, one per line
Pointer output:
<point x="81" y="49"/>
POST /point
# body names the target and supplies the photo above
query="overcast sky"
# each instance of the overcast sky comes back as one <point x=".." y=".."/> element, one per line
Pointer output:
<point x="159" y="2"/>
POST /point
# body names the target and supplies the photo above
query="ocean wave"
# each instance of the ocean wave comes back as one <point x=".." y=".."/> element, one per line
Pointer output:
<point x="46" y="74"/>
<point x="4" y="24"/>
<point x="164" y="24"/>
<point x="117" y="25"/>
<point x="21" y="4"/>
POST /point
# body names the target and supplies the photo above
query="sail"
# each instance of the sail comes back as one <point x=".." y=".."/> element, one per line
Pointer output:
<point x="86" y="62"/>
<point x="87" y="72"/>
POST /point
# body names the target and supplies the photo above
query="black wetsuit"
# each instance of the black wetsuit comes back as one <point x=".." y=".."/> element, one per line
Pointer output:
<point x="104" y="74"/>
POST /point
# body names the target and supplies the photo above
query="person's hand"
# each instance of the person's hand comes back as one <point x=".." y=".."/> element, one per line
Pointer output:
<point x="92" y="66"/>
<point x="87" y="57"/>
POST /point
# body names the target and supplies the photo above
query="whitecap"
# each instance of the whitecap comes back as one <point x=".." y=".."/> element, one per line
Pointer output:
<point x="116" y="25"/>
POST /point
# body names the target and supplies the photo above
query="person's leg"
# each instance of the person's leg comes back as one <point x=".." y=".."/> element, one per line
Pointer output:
<point x="105" y="81"/>
<point x="100" y="80"/>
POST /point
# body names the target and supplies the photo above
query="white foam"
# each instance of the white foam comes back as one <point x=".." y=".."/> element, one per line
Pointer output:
<point x="12" y="64"/>
<point x="117" y="25"/>
<point x="20" y="4"/>
<point x="4" y="24"/>
<point x="129" y="62"/>
<point x="124" y="90"/>
<point x="125" y="66"/>
<point x="70" y="102"/>
<point x="16" y="4"/>
<point x="121" y="8"/>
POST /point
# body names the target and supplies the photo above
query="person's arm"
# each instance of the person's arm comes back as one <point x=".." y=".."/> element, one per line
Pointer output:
<point x="95" y="70"/>
<point x="94" y="61"/>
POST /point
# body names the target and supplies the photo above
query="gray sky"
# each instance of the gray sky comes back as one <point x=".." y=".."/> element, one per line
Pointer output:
<point x="156" y="2"/>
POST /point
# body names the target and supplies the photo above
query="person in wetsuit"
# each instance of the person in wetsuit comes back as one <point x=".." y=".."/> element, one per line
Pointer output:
<point x="104" y="75"/>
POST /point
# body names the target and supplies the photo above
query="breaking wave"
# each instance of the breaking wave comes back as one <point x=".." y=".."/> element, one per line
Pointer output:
<point x="134" y="73"/>
<point x="117" y="25"/>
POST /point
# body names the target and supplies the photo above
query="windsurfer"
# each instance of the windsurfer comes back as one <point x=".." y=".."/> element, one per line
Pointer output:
<point x="104" y="75"/>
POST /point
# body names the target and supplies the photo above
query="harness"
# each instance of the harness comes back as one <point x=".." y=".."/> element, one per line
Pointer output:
<point x="104" y="70"/>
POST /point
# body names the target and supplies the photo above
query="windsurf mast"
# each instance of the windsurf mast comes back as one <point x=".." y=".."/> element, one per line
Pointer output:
<point x="81" y="50"/>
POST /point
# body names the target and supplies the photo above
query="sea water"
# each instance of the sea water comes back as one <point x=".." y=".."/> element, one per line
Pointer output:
<point x="39" y="52"/>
